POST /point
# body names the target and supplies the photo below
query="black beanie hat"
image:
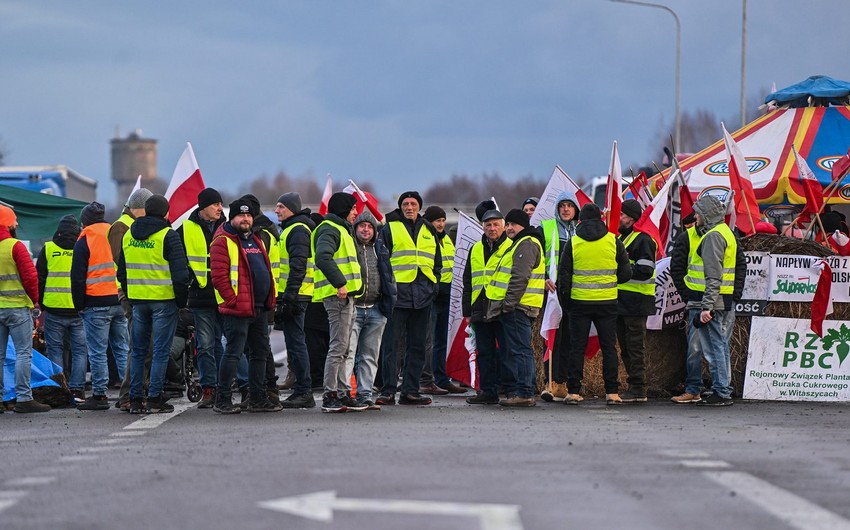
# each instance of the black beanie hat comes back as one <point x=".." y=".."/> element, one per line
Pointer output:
<point x="92" y="213"/>
<point x="239" y="206"/>
<point x="531" y="200"/>
<point x="253" y="202"/>
<point x="207" y="197"/>
<point x="518" y="217"/>
<point x="156" y="206"/>
<point x="590" y="212"/>
<point x="410" y="195"/>
<point x="432" y="213"/>
<point x="341" y="203"/>
<point x="632" y="208"/>
<point x="68" y="226"/>
<point x="484" y="207"/>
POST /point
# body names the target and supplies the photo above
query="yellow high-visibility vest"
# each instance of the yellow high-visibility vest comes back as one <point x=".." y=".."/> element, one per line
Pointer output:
<point x="57" y="286"/>
<point x="481" y="271"/>
<point x="408" y="257"/>
<point x="148" y="272"/>
<point x="695" y="277"/>
<point x="306" y="288"/>
<point x="498" y="286"/>
<point x="197" y="251"/>
<point x="447" y="249"/>
<point x="12" y="293"/>
<point x="645" y="287"/>
<point x="345" y="258"/>
<point x="594" y="269"/>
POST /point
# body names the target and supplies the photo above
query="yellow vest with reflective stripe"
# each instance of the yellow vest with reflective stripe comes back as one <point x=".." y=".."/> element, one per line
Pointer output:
<point x="125" y="219"/>
<point x="345" y="258"/>
<point x="274" y="257"/>
<point x="306" y="288"/>
<point x="482" y="272"/>
<point x="447" y="249"/>
<point x="498" y="286"/>
<point x="148" y="273"/>
<point x="645" y="287"/>
<point x="407" y="257"/>
<point x="57" y="286"/>
<point x="594" y="269"/>
<point x="12" y="293"/>
<point x="695" y="278"/>
<point x="197" y="251"/>
<point x="233" y="254"/>
<point x="549" y="226"/>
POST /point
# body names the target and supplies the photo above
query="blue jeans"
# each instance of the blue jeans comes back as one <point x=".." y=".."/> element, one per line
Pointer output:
<point x="363" y="350"/>
<point x="239" y="332"/>
<point x="516" y="328"/>
<point x="208" y="341"/>
<point x="340" y="319"/>
<point x="493" y="369"/>
<point x="56" y="328"/>
<point x="105" y="325"/>
<point x="152" y="321"/>
<point x="16" y="322"/>
<point x="712" y="341"/>
<point x="296" y="349"/>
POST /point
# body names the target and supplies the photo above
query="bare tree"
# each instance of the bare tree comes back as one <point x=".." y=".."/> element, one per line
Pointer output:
<point x="470" y="190"/>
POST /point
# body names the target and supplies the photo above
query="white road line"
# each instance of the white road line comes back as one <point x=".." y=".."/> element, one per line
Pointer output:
<point x="109" y="441"/>
<point x="789" y="508"/>
<point x="685" y="453"/>
<point x="77" y="458"/>
<point x="9" y="498"/>
<point x="128" y="433"/>
<point x="101" y="448"/>
<point x="705" y="463"/>
<point x="30" y="481"/>
<point x="153" y="421"/>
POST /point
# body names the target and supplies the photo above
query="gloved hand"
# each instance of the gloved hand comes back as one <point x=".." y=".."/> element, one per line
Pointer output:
<point x="284" y="310"/>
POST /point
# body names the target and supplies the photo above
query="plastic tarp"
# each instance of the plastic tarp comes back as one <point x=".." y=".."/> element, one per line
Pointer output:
<point x="38" y="213"/>
<point x="825" y="90"/>
<point x="42" y="369"/>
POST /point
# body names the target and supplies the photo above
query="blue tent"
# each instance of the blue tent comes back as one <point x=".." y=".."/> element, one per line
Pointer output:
<point x="42" y="369"/>
<point x="822" y="90"/>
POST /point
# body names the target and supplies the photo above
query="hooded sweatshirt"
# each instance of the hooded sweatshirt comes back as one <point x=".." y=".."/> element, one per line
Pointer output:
<point x="173" y="252"/>
<point x="566" y="229"/>
<point x="64" y="240"/>
<point x="527" y="255"/>
<point x="378" y="282"/>
<point x="711" y="249"/>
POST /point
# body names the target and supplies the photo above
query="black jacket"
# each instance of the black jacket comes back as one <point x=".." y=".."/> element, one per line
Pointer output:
<point x="66" y="242"/>
<point x="478" y="310"/>
<point x="589" y="231"/>
<point x="202" y="297"/>
<point x="421" y="292"/>
<point x="640" y="250"/>
<point x="298" y="248"/>
<point x="172" y="251"/>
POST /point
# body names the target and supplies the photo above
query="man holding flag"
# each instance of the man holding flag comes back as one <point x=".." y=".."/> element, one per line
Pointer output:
<point x="635" y="300"/>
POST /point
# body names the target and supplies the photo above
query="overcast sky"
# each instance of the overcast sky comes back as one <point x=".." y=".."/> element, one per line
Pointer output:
<point x="400" y="93"/>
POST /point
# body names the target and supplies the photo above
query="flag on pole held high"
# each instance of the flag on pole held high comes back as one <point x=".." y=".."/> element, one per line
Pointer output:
<point x="186" y="183"/>
<point x="461" y="354"/>
<point x="559" y="182"/>
<point x="655" y="216"/>
<point x="326" y="196"/>
<point x="614" y="192"/>
<point x="364" y="200"/>
<point x="746" y="206"/>
<point x="811" y="187"/>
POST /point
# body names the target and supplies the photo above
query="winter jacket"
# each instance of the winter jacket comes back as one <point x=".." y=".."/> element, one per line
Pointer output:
<point x="478" y="310"/>
<point x="298" y="247"/>
<point x="640" y="251"/>
<point x="327" y="243"/>
<point x="23" y="262"/>
<point x="79" y="274"/>
<point x="444" y="290"/>
<point x="240" y="303"/>
<point x="589" y="231"/>
<point x="421" y="292"/>
<point x="172" y="251"/>
<point x="198" y="297"/>
<point x="526" y="256"/>
<point x="64" y="241"/>
<point x="375" y="248"/>
<point x="679" y="268"/>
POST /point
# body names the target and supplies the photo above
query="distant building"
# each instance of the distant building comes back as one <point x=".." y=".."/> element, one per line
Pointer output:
<point x="132" y="156"/>
<point x="60" y="181"/>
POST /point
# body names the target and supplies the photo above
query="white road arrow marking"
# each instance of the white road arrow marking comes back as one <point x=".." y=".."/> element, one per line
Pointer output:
<point x="319" y="506"/>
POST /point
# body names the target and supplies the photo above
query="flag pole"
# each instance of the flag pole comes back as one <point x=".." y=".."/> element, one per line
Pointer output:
<point x="834" y="187"/>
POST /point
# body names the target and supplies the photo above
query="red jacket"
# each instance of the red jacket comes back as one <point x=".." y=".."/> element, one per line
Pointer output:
<point x="241" y="304"/>
<point x="26" y="269"/>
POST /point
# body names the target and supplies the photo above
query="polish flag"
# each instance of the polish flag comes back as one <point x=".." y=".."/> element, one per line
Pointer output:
<point x="186" y="183"/>
<point x="552" y="313"/>
<point x="614" y="192"/>
<point x="840" y="167"/>
<point x="811" y="186"/>
<point x="326" y="196"/>
<point x="364" y="200"/>
<point x="822" y="303"/>
<point x="746" y="205"/>
<point x="652" y="219"/>
<point x="640" y="190"/>
<point x="840" y="243"/>
<point x="559" y="182"/>
<point x="686" y="200"/>
<point x="592" y="343"/>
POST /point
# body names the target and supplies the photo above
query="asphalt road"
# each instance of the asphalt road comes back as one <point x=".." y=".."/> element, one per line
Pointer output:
<point x="655" y="465"/>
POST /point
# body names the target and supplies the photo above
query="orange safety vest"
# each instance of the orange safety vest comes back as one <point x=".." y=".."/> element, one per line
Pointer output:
<point x="100" y="276"/>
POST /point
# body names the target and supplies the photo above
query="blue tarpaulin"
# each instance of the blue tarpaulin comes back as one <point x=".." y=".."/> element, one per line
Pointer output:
<point x="825" y="90"/>
<point x="42" y="369"/>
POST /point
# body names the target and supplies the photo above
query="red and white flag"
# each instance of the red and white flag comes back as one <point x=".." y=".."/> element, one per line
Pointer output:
<point x="326" y="196"/>
<point x="186" y="183"/>
<point x="746" y="206"/>
<point x="364" y="200"/>
<point x="840" y="243"/>
<point x="614" y="192"/>
<point x="822" y="302"/>
<point x="552" y="313"/>
<point x="559" y="182"/>
<point x="811" y="187"/>
<point x="840" y="167"/>
<point x="655" y="217"/>
<point x="640" y="189"/>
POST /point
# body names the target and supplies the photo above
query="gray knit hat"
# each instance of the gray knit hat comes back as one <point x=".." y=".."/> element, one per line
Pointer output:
<point x="291" y="200"/>
<point x="137" y="199"/>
